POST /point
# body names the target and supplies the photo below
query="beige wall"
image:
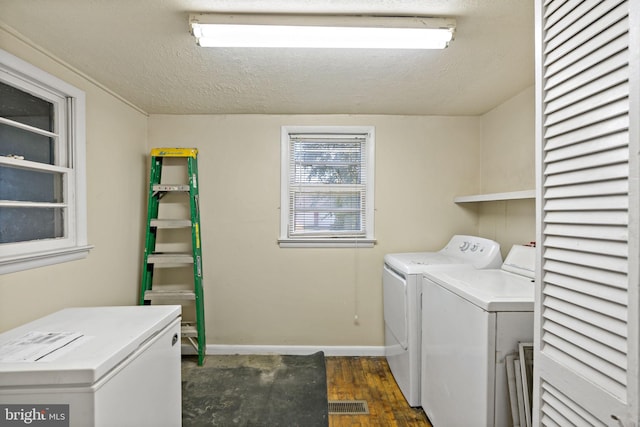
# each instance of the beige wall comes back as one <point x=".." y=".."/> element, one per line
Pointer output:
<point x="116" y="177"/>
<point x="508" y="164"/>
<point x="508" y="160"/>
<point x="259" y="294"/>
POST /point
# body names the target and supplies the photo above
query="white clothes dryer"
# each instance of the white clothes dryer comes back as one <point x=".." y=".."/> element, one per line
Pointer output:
<point x="402" y="289"/>
<point x="471" y="321"/>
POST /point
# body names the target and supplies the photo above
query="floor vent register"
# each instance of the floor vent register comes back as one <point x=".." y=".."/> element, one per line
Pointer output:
<point x="348" y="407"/>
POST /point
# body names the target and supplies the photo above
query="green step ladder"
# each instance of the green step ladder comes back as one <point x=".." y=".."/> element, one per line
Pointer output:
<point x="192" y="330"/>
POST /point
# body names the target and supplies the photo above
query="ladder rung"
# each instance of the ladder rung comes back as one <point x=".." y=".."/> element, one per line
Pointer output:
<point x="169" y="258"/>
<point x="175" y="294"/>
<point x="189" y="330"/>
<point x="170" y="223"/>
<point x="171" y="187"/>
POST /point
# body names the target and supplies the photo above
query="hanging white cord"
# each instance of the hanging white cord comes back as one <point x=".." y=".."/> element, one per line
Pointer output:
<point x="356" y="320"/>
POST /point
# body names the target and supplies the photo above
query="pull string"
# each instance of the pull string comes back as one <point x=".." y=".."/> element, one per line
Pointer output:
<point x="356" y="259"/>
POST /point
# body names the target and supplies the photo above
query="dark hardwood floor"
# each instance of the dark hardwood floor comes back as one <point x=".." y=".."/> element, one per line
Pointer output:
<point x="369" y="378"/>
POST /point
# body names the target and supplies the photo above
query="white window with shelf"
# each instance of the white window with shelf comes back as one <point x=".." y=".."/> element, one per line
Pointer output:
<point x="327" y="186"/>
<point x="42" y="168"/>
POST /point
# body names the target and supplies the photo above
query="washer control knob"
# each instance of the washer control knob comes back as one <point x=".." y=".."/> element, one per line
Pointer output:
<point x="464" y="246"/>
<point x="474" y="247"/>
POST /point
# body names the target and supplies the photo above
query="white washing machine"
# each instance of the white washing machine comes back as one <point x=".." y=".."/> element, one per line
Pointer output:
<point x="401" y="283"/>
<point x="471" y="320"/>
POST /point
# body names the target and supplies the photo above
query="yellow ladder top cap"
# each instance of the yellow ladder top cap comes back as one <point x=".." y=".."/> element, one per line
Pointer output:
<point x="174" y="152"/>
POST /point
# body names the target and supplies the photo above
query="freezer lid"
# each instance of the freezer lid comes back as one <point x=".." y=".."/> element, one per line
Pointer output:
<point x="106" y="336"/>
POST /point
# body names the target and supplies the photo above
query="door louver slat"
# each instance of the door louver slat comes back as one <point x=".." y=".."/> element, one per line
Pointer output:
<point x="601" y="67"/>
<point x="572" y="23"/>
<point x="609" y="279"/>
<point x="612" y="355"/>
<point x="610" y="157"/>
<point x="602" y="173"/>
<point x="589" y="285"/>
<point x="597" y="334"/>
<point x="594" y="115"/>
<point x="556" y="10"/>
<point x="587" y="232"/>
<point x="589" y="132"/>
<point x="575" y="49"/>
<point x="617" y="327"/>
<point x="613" y="202"/>
<point x="579" y="244"/>
<point x="620" y="186"/>
<point x="609" y="58"/>
<point x="593" y="217"/>
<point x="600" y="372"/>
<point x="581" y="93"/>
<point x="570" y="413"/>
<point x="604" y="143"/>
<point x="598" y="305"/>
<point x="590" y="260"/>
<point x="574" y="36"/>
<point x="592" y="103"/>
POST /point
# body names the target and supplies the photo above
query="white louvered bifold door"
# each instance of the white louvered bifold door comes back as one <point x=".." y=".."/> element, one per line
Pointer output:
<point x="587" y="299"/>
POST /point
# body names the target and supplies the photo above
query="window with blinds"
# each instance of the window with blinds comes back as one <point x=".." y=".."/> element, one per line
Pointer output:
<point x="583" y="353"/>
<point x="42" y="170"/>
<point x="327" y="185"/>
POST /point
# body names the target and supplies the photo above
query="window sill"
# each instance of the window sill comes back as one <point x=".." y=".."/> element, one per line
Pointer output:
<point x="13" y="264"/>
<point x="326" y="243"/>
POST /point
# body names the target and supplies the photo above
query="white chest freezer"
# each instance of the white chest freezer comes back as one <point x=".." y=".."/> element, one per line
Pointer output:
<point x="112" y="366"/>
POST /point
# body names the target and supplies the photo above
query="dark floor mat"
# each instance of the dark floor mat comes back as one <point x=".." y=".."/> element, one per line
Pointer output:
<point x="255" y="390"/>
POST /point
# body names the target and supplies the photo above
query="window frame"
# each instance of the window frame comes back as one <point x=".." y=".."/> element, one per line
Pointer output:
<point x="285" y="240"/>
<point x="70" y="117"/>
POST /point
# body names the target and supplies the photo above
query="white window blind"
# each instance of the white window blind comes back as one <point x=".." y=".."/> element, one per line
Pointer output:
<point x="327" y="185"/>
<point x="582" y="349"/>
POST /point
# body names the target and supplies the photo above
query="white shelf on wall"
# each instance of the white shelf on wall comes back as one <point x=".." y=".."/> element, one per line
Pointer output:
<point x="509" y="195"/>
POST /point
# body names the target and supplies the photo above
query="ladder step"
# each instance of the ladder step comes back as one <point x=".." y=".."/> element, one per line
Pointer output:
<point x="189" y="330"/>
<point x="170" y="223"/>
<point x="171" y="187"/>
<point x="169" y="294"/>
<point x="169" y="258"/>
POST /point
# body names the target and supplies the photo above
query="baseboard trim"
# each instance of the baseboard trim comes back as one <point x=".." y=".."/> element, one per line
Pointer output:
<point x="221" y="349"/>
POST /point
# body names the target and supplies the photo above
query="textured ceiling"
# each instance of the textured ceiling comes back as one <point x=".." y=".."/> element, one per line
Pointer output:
<point x="142" y="50"/>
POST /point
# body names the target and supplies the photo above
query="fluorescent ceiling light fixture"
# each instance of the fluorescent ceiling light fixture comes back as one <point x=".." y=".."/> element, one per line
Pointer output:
<point x="321" y="31"/>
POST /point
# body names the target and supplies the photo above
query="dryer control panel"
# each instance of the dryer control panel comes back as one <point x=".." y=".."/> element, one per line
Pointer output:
<point x="481" y="252"/>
